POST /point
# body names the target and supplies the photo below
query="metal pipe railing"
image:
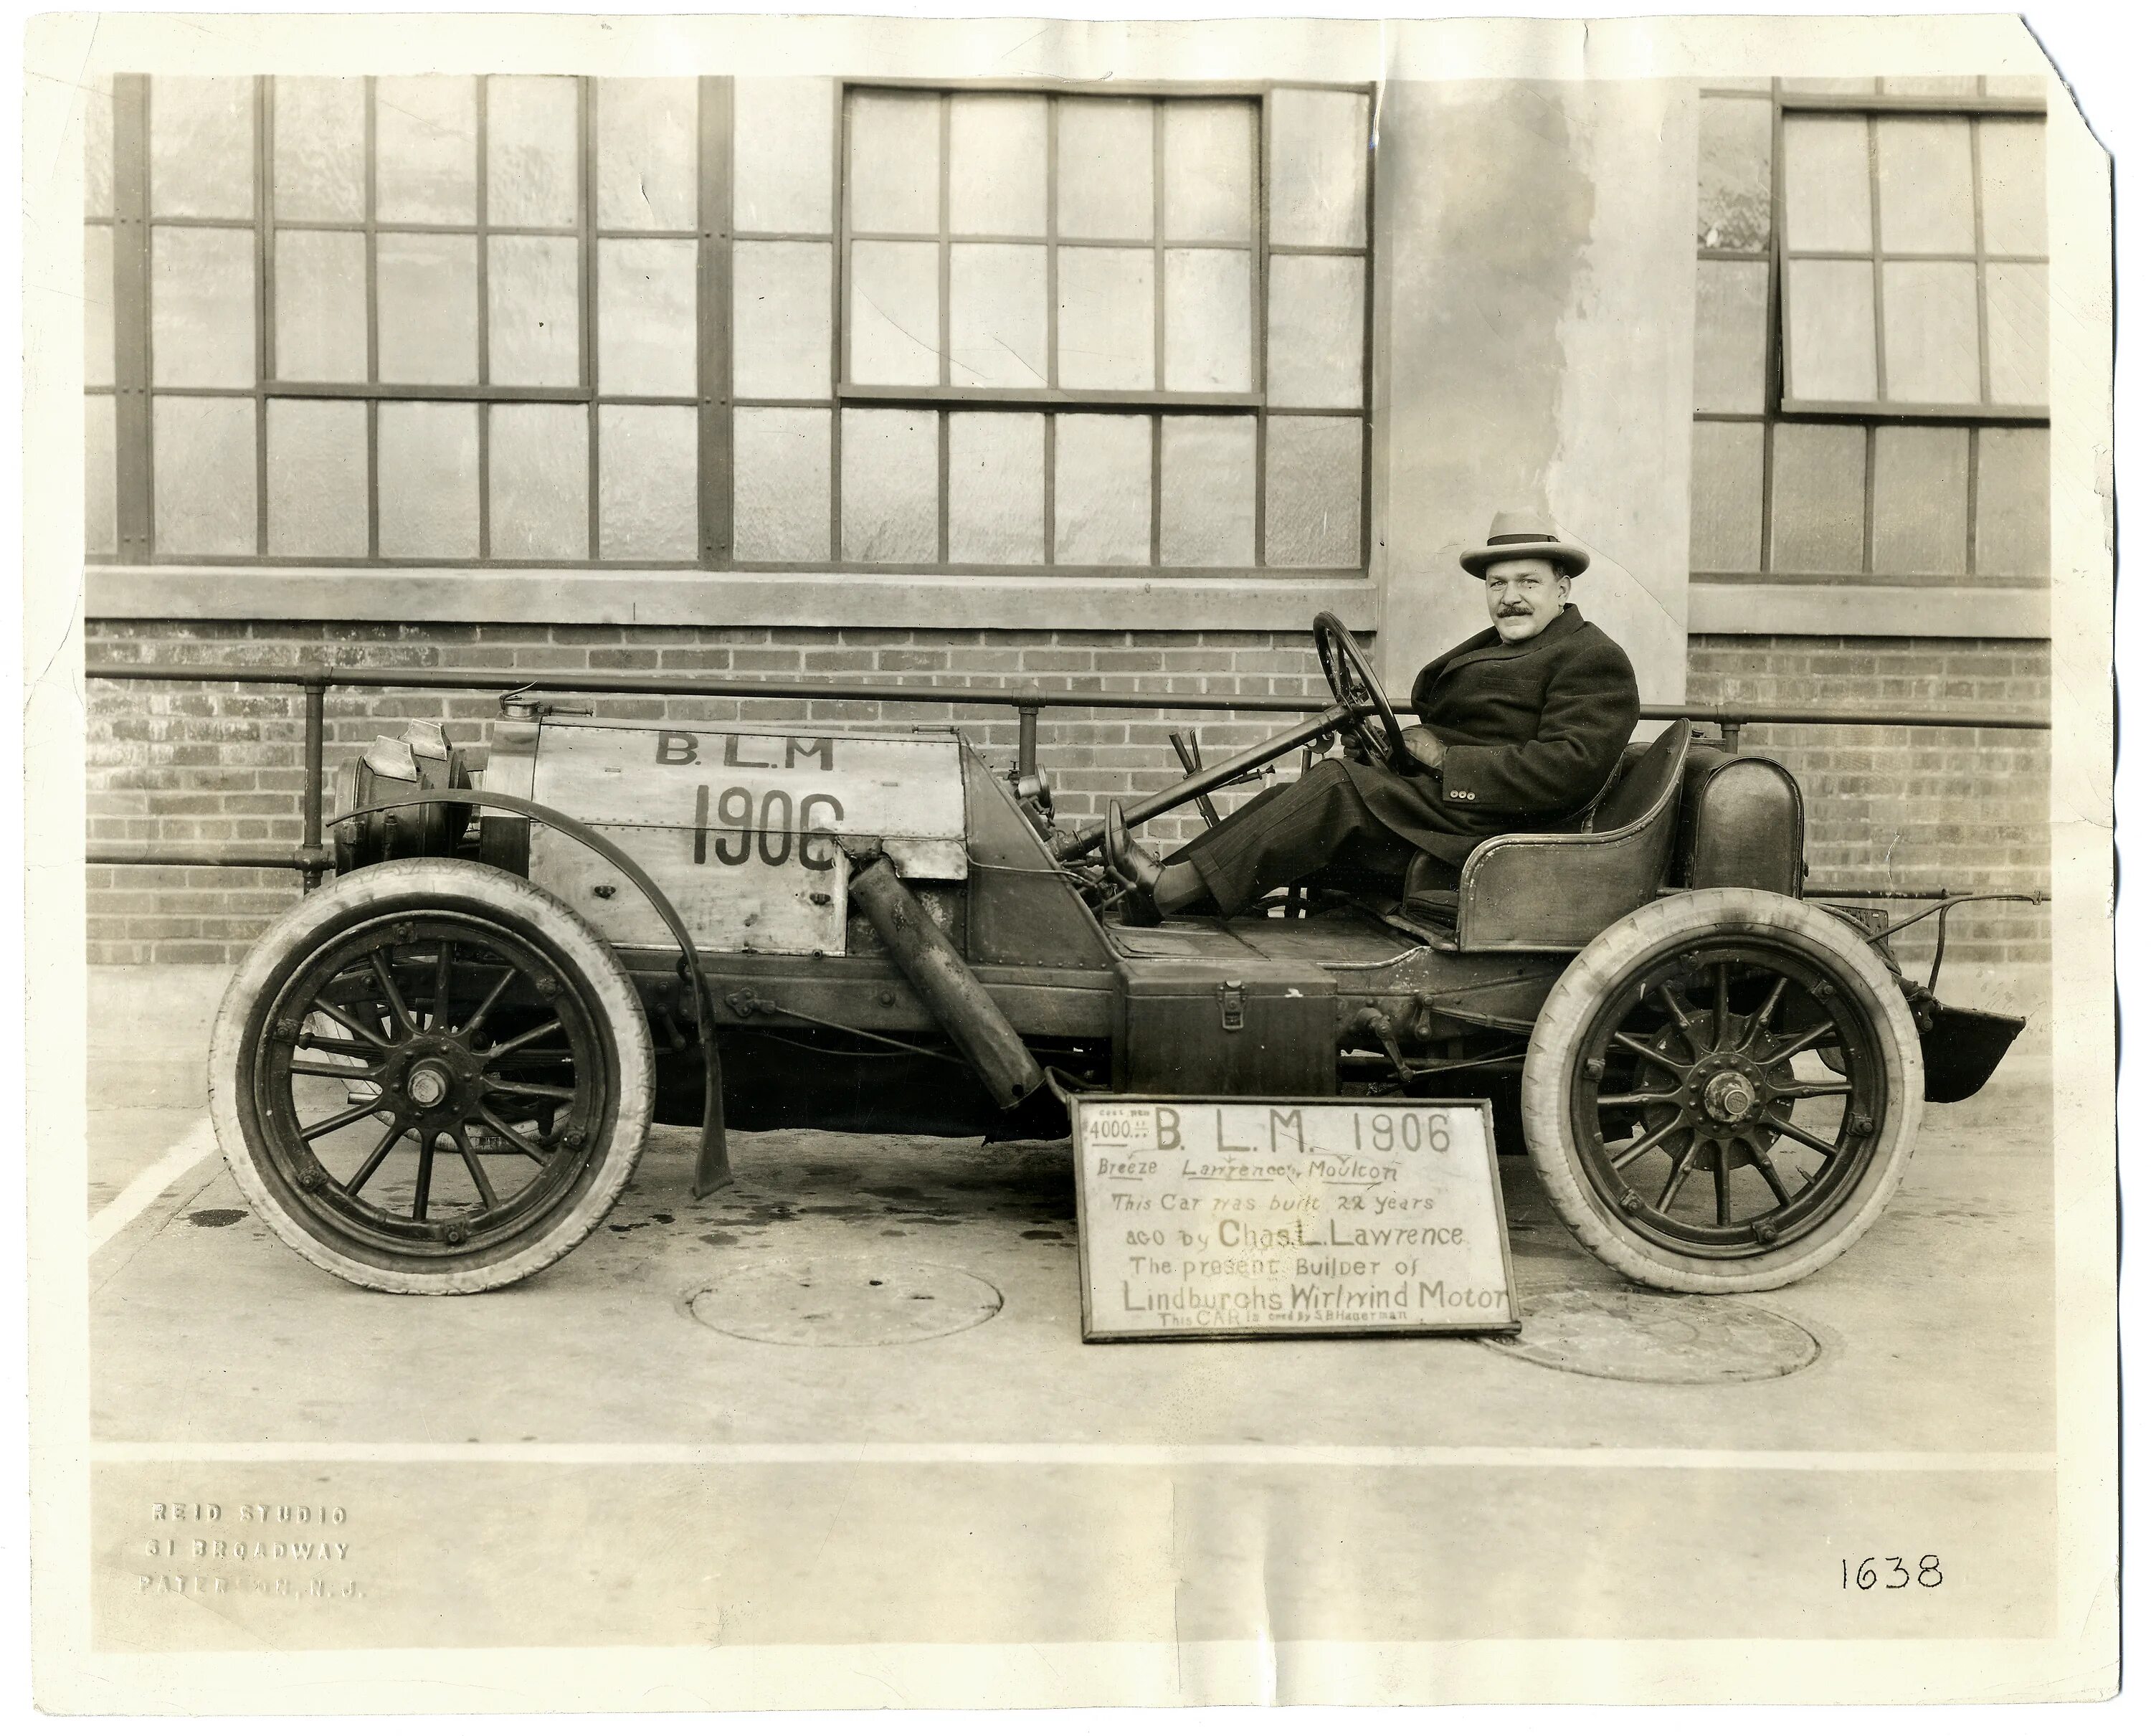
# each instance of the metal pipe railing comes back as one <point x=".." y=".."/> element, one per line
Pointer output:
<point x="312" y="856"/>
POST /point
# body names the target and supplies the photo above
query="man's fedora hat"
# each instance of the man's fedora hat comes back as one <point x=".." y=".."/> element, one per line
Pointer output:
<point x="1516" y="535"/>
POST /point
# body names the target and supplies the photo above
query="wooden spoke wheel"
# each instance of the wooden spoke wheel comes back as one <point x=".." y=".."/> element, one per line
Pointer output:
<point x="432" y="1077"/>
<point x="1722" y="1091"/>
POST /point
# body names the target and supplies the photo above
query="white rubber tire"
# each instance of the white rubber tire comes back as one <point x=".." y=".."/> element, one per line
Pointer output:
<point x="1675" y="924"/>
<point x="418" y="885"/>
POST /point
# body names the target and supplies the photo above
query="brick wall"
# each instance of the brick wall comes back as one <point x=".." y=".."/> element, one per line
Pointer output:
<point x="176" y="764"/>
<point x="1904" y="806"/>
<point x="180" y="765"/>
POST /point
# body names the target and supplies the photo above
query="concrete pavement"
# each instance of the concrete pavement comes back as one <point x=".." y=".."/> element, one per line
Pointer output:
<point x="580" y="1458"/>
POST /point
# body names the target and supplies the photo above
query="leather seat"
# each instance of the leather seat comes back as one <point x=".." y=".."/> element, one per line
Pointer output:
<point x="1555" y="891"/>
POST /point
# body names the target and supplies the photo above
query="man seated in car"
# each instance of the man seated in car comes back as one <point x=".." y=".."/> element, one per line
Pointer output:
<point x="1520" y="728"/>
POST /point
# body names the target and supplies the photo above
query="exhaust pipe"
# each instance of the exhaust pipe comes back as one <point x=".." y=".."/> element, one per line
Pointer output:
<point x="979" y="1029"/>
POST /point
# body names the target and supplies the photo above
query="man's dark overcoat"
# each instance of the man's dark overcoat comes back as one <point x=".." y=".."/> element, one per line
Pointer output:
<point x="1534" y="731"/>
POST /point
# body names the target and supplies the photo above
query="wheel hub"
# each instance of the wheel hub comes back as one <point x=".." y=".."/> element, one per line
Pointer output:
<point x="426" y="1085"/>
<point x="439" y="1080"/>
<point x="1728" y="1097"/>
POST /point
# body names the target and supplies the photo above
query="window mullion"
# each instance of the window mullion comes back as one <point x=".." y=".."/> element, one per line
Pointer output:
<point x="715" y="336"/>
<point x="1157" y="327"/>
<point x="264" y="354"/>
<point x="586" y="280"/>
<point x="1262" y="127"/>
<point x="372" y="335"/>
<point x="481" y="247"/>
<point x="1052" y="311"/>
<point x="134" y="455"/>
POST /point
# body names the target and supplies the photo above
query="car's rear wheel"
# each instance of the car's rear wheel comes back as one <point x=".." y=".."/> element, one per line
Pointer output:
<point x="1677" y="1106"/>
<point x="432" y="1077"/>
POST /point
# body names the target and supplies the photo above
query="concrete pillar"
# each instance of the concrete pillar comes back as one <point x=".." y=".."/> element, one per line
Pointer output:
<point x="1535" y="348"/>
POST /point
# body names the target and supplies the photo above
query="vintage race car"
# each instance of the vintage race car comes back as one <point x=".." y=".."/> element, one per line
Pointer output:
<point x="435" y="1075"/>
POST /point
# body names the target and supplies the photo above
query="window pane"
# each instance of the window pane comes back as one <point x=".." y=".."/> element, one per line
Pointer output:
<point x="201" y="298"/>
<point x="781" y="319"/>
<point x="1312" y="491"/>
<point x="780" y="142"/>
<point x="2012" y="503"/>
<point x="997" y="487"/>
<point x="321" y="150"/>
<point x="895" y="170"/>
<point x="1316" y="348"/>
<point x="1931" y="333"/>
<point x="997" y="165"/>
<point x="201" y="147"/>
<point x="895" y="330"/>
<point x="1830" y="305"/>
<point x="996" y="315"/>
<point x="648" y="509"/>
<point x="1826" y="191"/>
<point x="100" y="478"/>
<point x="781" y="484"/>
<point x="537" y="461"/>
<point x="1209" y="171"/>
<point x="1106" y="170"/>
<point x="1725" y="528"/>
<point x="1108" y="322"/>
<point x="892" y="485"/>
<point x="1318" y="168"/>
<point x="97" y="305"/>
<point x="648" y="146"/>
<point x="1924" y="174"/>
<point x="1732" y="193"/>
<point x="425" y="148"/>
<point x="532" y="293"/>
<point x="321" y="305"/>
<point x="1732" y="300"/>
<point x="1208" y="317"/>
<point x="647" y="318"/>
<point x="1818" y="498"/>
<point x="428" y="480"/>
<point x="317" y="477"/>
<point x="427" y="287"/>
<point x="1921" y="480"/>
<point x="1206" y="492"/>
<point x="1101" y="490"/>
<point x="97" y="145"/>
<point x="204" y="475"/>
<point x="532" y="128"/>
<point x="2013" y="180"/>
<point x="2016" y="334"/>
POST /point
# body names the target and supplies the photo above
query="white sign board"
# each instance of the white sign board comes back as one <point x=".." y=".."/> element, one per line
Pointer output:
<point x="1289" y="1216"/>
<point x="742" y="831"/>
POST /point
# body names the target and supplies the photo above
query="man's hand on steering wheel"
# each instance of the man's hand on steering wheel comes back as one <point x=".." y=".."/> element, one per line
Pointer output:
<point x="1425" y="746"/>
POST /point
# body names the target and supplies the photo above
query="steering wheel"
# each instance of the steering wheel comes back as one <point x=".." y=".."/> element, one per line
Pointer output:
<point x="1353" y="682"/>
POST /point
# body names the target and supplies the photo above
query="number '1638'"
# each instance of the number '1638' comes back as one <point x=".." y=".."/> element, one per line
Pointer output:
<point x="1889" y="1573"/>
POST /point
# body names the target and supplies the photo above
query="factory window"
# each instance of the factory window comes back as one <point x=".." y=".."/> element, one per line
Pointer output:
<point x="770" y="323"/>
<point x="1872" y="331"/>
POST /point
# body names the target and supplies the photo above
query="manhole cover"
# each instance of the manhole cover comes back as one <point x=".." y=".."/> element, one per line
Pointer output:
<point x="1685" y="1340"/>
<point x="845" y="1300"/>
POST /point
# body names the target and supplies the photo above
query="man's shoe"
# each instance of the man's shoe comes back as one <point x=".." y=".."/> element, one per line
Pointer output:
<point x="1129" y="862"/>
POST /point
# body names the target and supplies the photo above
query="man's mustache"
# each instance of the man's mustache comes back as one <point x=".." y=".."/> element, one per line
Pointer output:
<point x="1510" y="608"/>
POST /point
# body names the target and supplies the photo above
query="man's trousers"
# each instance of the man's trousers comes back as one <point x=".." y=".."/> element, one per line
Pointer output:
<point x="1320" y="828"/>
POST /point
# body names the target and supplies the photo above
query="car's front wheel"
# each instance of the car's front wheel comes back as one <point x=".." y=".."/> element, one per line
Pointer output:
<point x="1678" y="1105"/>
<point x="431" y="1077"/>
